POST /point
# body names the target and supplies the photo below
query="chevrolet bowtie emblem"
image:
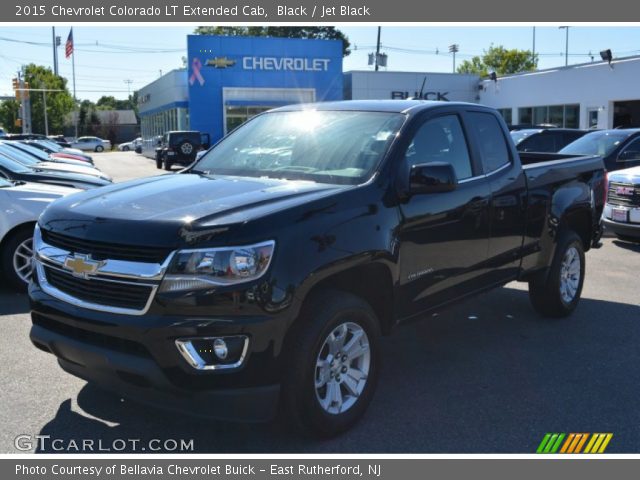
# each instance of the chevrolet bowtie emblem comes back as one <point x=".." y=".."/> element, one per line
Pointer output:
<point x="82" y="265"/>
<point x="220" y="62"/>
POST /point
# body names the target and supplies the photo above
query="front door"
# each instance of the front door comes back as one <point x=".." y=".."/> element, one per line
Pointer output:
<point x="444" y="237"/>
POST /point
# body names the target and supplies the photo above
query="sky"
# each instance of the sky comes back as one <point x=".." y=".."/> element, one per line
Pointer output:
<point x="112" y="60"/>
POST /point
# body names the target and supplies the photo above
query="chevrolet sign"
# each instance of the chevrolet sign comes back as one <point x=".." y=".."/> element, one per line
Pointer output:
<point x="286" y="63"/>
<point x="220" y="62"/>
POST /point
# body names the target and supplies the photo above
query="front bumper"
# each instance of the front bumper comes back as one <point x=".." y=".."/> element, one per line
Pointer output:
<point x="141" y="380"/>
<point x="627" y="229"/>
<point x="136" y="356"/>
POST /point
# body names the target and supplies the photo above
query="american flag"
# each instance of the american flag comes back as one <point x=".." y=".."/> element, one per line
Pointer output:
<point x="68" y="47"/>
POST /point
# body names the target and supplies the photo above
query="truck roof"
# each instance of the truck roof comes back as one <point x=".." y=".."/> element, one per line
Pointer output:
<point x="393" y="106"/>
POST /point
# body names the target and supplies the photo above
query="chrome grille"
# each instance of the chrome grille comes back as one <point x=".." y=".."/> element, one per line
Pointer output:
<point x="631" y="197"/>
<point x="100" y="292"/>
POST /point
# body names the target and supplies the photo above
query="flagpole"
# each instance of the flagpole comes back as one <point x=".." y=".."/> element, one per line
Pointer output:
<point x="73" y="71"/>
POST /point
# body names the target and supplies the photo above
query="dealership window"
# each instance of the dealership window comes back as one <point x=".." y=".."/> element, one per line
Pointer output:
<point x="567" y="116"/>
<point x="158" y="123"/>
<point x="507" y="114"/>
<point x="236" y="115"/>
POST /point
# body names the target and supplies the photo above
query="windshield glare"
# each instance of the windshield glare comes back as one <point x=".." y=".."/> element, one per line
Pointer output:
<point x="18" y="155"/>
<point x="596" y="143"/>
<point x="340" y="147"/>
<point x="519" y="135"/>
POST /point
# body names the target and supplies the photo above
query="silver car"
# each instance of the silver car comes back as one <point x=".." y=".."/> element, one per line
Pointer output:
<point x="93" y="144"/>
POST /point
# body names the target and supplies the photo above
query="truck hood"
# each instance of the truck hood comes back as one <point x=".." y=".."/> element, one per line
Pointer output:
<point x="67" y="167"/>
<point x="158" y="210"/>
<point x="628" y="175"/>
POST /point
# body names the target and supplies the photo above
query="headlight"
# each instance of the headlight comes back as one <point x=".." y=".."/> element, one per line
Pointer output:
<point x="208" y="267"/>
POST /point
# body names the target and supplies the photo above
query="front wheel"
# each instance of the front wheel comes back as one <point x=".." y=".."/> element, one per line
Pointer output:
<point x="16" y="257"/>
<point x="558" y="294"/>
<point x="99" y="148"/>
<point x="333" y="363"/>
<point x="158" y="161"/>
<point x="125" y="149"/>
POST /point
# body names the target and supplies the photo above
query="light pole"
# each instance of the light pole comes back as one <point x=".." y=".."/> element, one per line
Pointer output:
<point x="455" y="48"/>
<point x="566" y="44"/>
<point x="378" y="49"/>
<point x="128" y="81"/>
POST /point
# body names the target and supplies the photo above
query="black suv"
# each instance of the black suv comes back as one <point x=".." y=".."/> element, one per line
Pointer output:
<point x="180" y="147"/>
<point x="548" y="140"/>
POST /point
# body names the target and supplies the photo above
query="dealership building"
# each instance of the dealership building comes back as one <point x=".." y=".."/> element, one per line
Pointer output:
<point x="230" y="79"/>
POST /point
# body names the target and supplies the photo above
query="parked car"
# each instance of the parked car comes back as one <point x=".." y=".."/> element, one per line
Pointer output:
<point x="22" y="203"/>
<point x="2" y="133"/>
<point x="180" y="147"/>
<point x="93" y="144"/>
<point x="60" y="140"/>
<point x="622" y="210"/>
<point x="13" y="170"/>
<point x="549" y="140"/>
<point x="35" y="158"/>
<point x="252" y="279"/>
<point x="55" y="150"/>
<point x="132" y="145"/>
<point x="620" y="148"/>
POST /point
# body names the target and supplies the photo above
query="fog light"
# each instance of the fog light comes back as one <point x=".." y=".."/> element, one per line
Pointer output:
<point x="214" y="353"/>
<point x="220" y="348"/>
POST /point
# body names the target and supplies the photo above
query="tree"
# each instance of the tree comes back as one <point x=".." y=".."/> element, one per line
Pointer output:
<point x="500" y="60"/>
<point x="59" y="104"/>
<point x="88" y="121"/>
<point x="322" y="32"/>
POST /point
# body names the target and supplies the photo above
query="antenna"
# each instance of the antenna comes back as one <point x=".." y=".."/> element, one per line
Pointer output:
<point x="424" y="80"/>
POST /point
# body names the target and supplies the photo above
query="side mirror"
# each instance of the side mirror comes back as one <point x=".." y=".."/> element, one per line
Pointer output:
<point x="435" y="177"/>
<point x="629" y="155"/>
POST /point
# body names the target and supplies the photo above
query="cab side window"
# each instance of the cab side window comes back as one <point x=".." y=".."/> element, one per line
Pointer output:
<point x="441" y="139"/>
<point x="631" y="152"/>
<point x="491" y="141"/>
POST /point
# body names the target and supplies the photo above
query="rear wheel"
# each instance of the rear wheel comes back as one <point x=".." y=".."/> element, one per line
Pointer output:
<point x="158" y="161"/>
<point x="332" y="366"/>
<point x="125" y="149"/>
<point x="558" y="294"/>
<point x="167" y="164"/>
<point x="99" y="148"/>
<point x="16" y="256"/>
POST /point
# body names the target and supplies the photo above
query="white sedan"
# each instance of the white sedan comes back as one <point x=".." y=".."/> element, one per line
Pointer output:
<point x="125" y="147"/>
<point x="20" y="206"/>
<point x="93" y="144"/>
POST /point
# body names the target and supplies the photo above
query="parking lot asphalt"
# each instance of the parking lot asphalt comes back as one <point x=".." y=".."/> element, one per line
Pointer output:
<point x="487" y="375"/>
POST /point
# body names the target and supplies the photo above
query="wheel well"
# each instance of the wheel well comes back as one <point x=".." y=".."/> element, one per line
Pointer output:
<point x="12" y="232"/>
<point x="370" y="282"/>
<point x="580" y="222"/>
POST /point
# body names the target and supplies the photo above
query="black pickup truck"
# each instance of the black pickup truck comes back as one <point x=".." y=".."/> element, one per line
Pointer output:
<point x="266" y="273"/>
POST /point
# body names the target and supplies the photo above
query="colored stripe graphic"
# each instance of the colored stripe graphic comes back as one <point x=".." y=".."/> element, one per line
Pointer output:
<point x="574" y="443"/>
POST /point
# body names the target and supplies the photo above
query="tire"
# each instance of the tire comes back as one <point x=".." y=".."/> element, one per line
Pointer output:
<point x="628" y="238"/>
<point x="186" y="149"/>
<point x="558" y="294"/>
<point x="125" y="149"/>
<point x="332" y="315"/>
<point x="99" y="148"/>
<point x="167" y="165"/>
<point x="12" y="257"/>
<point x="158" y="161"/>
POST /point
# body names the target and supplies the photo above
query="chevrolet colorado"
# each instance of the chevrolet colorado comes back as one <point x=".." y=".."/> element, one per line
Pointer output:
<point x="265" y="273"/>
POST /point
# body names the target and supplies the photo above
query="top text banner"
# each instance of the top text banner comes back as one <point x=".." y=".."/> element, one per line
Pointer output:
<point x="314" y="11"/>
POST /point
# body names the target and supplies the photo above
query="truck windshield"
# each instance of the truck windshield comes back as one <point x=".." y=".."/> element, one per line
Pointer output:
<point x="339" y="147"/>
<point x="595" y="143"/>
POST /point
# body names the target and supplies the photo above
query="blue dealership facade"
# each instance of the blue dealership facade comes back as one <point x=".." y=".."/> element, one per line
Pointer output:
<point x="229" y="79"/>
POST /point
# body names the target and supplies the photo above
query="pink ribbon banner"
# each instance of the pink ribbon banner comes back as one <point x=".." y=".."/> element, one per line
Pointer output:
<point x="196" y="66"/>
